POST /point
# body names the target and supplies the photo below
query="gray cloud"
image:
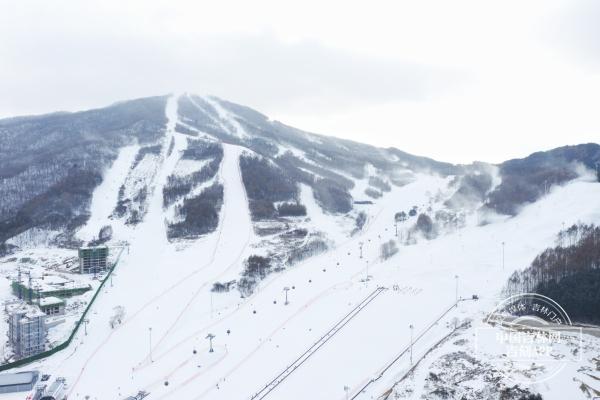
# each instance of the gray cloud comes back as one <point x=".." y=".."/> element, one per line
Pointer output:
<point x="62" y="70"/>
<point x="575" y="29"/>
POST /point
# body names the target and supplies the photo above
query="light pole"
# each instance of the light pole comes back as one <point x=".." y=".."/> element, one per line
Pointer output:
<point x="503" y="255"/>
<point x="456" y="277"/>
<point x="150" y="335"/>
<point x="210" y="337"/>
<point x="411" y="343"/>
<point x="286" y="289"/>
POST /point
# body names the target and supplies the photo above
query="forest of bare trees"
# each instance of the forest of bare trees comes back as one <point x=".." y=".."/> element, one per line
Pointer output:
<point x="569" y="273"/>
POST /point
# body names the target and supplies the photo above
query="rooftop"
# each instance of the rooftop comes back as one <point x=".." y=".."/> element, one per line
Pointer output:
<point x="93" y="248"/>
<point x="48" y="301"/>
<point x="19" y="378"/>
<point x="24" y="309"/>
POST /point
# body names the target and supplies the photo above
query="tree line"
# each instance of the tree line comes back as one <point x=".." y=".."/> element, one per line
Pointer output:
<point x="569" y="273"/>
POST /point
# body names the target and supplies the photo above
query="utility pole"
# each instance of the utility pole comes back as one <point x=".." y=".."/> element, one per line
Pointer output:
<point x="360" y="246"/>
<point x="286" y="289"/>
<point x="150" y="334"/>
<point x="210" y="337"/>
<point x="411" y="343"/>
<point x="85" y="323"/>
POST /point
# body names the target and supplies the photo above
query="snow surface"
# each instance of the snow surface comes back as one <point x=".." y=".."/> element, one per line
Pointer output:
<point x="164" y="287"/>
<point x="106" y="194"/>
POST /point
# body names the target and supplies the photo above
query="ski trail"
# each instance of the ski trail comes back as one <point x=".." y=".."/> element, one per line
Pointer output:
<point x="276" y="278"/>
<point x="225" y="115"/>
<point x="152" y="240"/>
<point x="235" y="230"/>
<point x="153" y="229"/>
<point x="106" y="194"/>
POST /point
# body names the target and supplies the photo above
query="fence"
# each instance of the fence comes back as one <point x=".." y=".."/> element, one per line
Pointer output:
<point x="66" y="343"/>
<point x="389" y="365"/>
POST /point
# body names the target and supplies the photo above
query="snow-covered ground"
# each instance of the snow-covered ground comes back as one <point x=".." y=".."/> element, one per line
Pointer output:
<point x="106" y="195"/>
<point x="165" y="288"/>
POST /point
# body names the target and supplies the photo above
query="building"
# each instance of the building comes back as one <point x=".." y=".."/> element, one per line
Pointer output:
<point x="93" y="259"/>
<point x="26" y="329"/>
<point x="55" y="391"/>
<point x="18" y="382"/>
<point x="36" y="288"/>
<point x="52" y="305"/>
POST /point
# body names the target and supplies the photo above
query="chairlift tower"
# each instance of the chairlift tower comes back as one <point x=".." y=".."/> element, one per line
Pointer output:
<point x="456" y="278"/>
<point x="411" y="327"/>
<point x="150" y="348"/>
<point x="210" y="338"/>
<point x="286" y="290"/>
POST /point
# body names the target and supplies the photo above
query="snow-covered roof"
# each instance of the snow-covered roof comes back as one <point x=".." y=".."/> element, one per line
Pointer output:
<point x="19" y="378"/>
<point x="48" y="301"/>
<point x="93" y="247"/>
<point x="50" y="283"/>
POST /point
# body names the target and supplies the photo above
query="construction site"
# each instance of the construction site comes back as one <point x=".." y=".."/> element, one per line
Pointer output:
<point x="46" y="296"/>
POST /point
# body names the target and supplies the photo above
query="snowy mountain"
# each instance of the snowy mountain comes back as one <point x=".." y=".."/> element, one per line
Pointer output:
<point x="221" y="209"/>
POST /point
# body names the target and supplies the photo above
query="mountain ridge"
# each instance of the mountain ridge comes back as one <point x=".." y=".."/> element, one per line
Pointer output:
<point x="60" y="157"/>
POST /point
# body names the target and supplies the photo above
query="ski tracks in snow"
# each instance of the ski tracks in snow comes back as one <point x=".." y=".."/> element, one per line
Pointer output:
<point x="235" y="228"/>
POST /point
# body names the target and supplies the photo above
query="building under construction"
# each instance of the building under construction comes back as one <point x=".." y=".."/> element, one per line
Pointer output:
<point x="32" y="289"/>
<point x="26" y="329"/>
<point x="93" y="260"/>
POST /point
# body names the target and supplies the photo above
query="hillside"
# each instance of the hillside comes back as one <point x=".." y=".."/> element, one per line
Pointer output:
<point x="224" y="212"/>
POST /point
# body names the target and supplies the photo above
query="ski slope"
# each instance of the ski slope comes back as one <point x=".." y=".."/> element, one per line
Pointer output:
<point x="165" y="289"/>
<point x="106" y="195"/>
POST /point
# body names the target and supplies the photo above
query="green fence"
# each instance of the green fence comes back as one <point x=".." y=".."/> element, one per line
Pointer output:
<point x="66" y="343"/>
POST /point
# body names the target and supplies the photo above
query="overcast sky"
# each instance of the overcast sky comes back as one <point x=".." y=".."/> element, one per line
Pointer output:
<point x="454" y="80"/>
